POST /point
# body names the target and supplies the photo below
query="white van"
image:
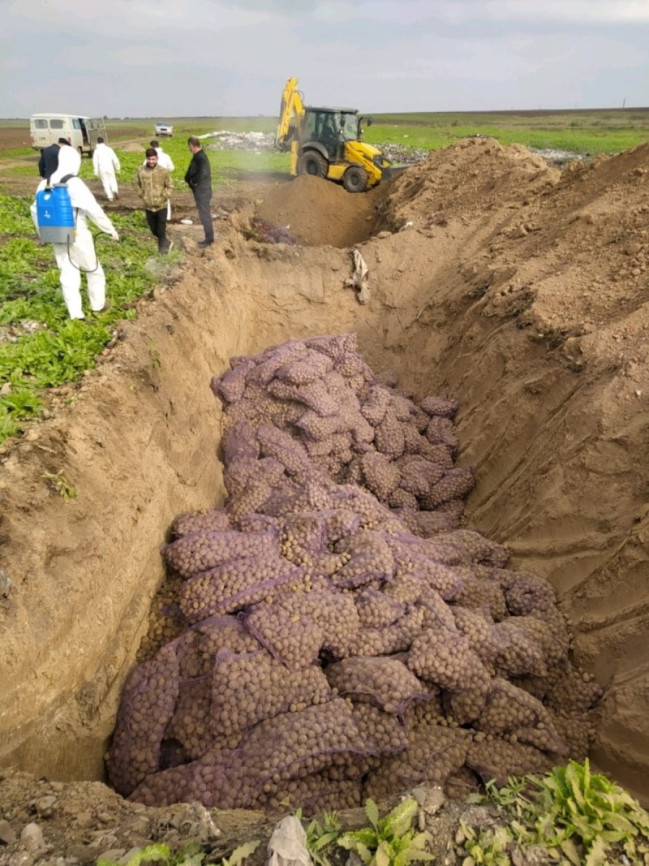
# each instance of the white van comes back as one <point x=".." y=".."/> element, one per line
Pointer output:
<point x="80" y="131"/>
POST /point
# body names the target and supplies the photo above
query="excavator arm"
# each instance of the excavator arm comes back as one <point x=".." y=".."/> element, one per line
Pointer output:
<point x="291" y="113"/>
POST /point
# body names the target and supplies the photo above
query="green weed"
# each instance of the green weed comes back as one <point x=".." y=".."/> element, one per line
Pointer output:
<point x="582" y="818"/>
<point x="191" y="854"/>
<point x="388" y="841"/>
<point x="60" y="484"/>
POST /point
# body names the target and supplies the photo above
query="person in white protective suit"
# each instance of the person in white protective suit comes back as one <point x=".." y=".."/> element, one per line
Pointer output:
<point x="105" y="163"/>
<point x="79" y="256"/>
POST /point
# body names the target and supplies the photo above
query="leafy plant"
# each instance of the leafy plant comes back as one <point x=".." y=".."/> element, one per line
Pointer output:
<point x="321" y="837"/>
<point x="485" y="846"/>
<point x="191" y="854"/>
<point x="60" y="484"/>
<point x="391" y="840"/>
<point x="583" y="816"/>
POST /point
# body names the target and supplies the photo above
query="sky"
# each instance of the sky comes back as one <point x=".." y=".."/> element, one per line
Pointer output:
<point x="221" y="58"/>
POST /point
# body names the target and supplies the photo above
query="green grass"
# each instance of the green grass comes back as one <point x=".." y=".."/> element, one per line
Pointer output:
<point x="40" y="348"/>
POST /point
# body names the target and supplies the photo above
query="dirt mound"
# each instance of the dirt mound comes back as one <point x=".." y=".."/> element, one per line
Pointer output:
<point x="317" y="212"/>
<point x="494" y="279"/>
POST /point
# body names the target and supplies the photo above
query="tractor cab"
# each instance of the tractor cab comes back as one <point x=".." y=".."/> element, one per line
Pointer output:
<point x="331" y="127"/>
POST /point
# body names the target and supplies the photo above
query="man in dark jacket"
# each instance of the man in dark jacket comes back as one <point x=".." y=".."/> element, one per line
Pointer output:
<point x="49" y="159"/>
<point x="199" y="178"/>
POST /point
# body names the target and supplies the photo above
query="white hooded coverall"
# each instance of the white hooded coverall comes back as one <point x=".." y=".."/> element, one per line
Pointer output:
<point x="105" y="163"/>
<point x="81" y="253"/>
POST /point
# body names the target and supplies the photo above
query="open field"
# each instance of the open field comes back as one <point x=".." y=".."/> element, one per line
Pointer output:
<point x="587" y="131"/>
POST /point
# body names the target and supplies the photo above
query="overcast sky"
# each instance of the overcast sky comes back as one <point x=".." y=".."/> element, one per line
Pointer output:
<point x="173" y="58"/>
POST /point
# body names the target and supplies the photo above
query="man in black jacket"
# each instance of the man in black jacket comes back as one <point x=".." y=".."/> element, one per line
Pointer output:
<point x="49" y="159"/>
<point x="199" y="178"/>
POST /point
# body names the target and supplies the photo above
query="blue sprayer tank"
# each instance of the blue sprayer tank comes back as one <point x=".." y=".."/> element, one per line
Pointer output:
<point x="55" y="215"/>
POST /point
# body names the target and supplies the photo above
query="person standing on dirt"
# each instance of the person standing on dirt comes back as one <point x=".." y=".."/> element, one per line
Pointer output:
<point x="199" y="178"/>
<point x="105" y="163"/>
<point x="72" y="259"/>
<point x="154" y="187"/>
<point x="164" y="160"/>
<point x="49" y="159"/>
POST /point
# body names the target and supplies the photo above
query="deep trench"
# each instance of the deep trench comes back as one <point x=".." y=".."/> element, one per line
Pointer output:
<point x="89" y="580"/>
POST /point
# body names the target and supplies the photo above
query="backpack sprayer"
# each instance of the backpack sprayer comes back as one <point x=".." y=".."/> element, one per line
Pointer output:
<point x="56" y="218"/>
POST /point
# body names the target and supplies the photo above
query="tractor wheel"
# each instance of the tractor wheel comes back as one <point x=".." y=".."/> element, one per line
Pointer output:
<point x="312" y="163"/>
<point x="355" y="179"/>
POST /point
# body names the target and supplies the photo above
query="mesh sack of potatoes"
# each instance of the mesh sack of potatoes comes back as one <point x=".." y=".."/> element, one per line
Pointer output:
<point x="241" y="475"/>
<point x="239" y="442"/>
<point x="232" y="384"/>
<point x="313" y="795"/>
<point x="519" y="654"/>
<point x="570" y="690"/>
<point x="294" y="745"/>
<point x="248" y="688"/>
<point x="381" y="731"/>
<point x="302" y="371"/>
<point x="190" y="724"/>
<point x="198" y="645"/>
<point x="214" y="520"/>
<point x="333" y="612"/>
<point x="438" y="615"/>
<point x="434" y="753"/>
<point x="286" y="449"/>
<point x="385" y="682"/>
<point x="441" y="431"/>
<point x="145" y="710"/>
<point x="577" y="730"/>
<point x="315" y="395"/>
<point x="551" y="635"/>
<point x="445" y="658"/>
<point x="508" y="708"/>
<point x="445" y="407"/>
<point x="201" y="551"/>
<point x="374" y="404"/>
<point x="370" y="560"/>
<point x="498" y="759"/>
<point x="389" y="437"/>
<point x="318" y="428"/>
<point x="480" y="550"/>
<point x="273" y="359"/>
<point x="235" y="585"/>
<point x="525" y="594"/>
<point x="292" y="639"/>
<point x="464" y="705"/>
<point x="427" y="712"/>
<point x="456" y="483"/>
<point x="479" y="593"/>
<point x="435" y="575"/>
<point x="418" y="474"/>
<point x="394" y="638"/>
<point x="478" y="627"/>
<point x="335" y="347"/>
<point x="426" y="524"/>
<point x="380" y="475"/>
<point x="400" y="498"/>
<point x="407" y="411"/>
<point x="215" y="781"/>
<point x="376" y="609"/>
<point x="252" y="498"/>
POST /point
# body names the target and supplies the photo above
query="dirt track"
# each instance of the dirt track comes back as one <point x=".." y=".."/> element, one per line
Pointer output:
<point x="519" y="291"/>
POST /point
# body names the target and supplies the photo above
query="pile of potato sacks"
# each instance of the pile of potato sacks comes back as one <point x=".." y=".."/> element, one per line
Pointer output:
<point x="343" y="637"/>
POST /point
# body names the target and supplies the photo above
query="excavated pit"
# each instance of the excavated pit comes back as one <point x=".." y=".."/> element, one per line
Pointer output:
<point x="493" y="279"/>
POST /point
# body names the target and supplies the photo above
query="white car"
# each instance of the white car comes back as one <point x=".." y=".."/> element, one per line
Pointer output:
<point x="163" y="128"/>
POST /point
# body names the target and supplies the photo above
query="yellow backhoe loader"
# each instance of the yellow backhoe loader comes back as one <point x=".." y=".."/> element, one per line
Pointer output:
<point x="326" y="142"/>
